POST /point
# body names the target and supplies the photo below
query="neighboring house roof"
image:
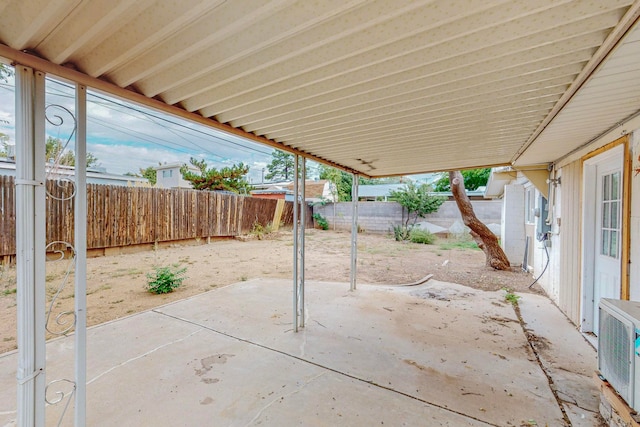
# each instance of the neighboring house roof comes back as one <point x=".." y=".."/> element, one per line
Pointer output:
<point x="498" y="178"/>
<point x="94" y="175"/>
<point x="382" y="190"/>
<point x="312" y="189"/>
<point x="174" y="165"/>
<point x="272" y="190"/>
<point x="266" y="185"/>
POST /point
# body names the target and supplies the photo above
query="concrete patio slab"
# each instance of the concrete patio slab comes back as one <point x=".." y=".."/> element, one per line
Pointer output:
<point x="567" y="358"/>
<point x="436" y="355"/>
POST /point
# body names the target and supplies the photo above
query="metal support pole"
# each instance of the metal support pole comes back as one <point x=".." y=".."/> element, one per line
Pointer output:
<point x="30" y="245"/>
<point x="299" y="222"/>
<point x="354" y="231"/>
<point x="295" y="244"/>
<point x="80" y="243"/>
<point x="303" y="222"/>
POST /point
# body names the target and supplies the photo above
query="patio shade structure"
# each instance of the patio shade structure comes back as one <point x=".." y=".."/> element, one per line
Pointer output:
<point x="376" y="88"/>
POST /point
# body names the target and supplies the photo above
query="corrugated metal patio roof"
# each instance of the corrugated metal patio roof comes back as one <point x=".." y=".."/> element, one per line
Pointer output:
<point x="379" y="87"/>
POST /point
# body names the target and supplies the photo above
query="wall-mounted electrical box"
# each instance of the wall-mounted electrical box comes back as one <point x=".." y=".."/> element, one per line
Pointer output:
<point x="542" y="212"/>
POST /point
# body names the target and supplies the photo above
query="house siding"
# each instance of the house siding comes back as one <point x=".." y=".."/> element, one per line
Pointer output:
<point x="569" y="296"/>
<point x="634" y="223"/>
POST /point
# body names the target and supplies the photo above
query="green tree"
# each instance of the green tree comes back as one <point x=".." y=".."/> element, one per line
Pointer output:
<point x="228" y="178"/>
<point x="281" y="167"/>
<point x="417" y="200"/>
<point x="473" y="178"/>
<point x="4" y="144"/>
<point x="341" y="182"/>
<point x="5" y="72"/>
<point x="150" y="173"/>
<point x="55" y="153"/>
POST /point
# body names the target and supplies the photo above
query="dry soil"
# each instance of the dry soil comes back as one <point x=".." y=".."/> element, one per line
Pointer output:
<point x="116" y="285"/>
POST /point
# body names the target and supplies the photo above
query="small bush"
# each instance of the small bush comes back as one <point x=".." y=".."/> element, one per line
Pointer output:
<point x="401" y="233"/>
<point x="321" y="221"/>
<point x="421" y="236"/>
<point x="260" y="230"/>
<point x="165" y="279"/>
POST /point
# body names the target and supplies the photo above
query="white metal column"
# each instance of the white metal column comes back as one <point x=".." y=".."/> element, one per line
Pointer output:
<point x="80" y="243"/>
<point x="299" y="223"/>
<point x="354" y="231"/>
<point x="303" y="225"/>
<point x="30" y="245"/>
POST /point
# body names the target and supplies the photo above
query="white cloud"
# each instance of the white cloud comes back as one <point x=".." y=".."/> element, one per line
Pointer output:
<point x="127" y="137"/>
<point x="120" y="159"/>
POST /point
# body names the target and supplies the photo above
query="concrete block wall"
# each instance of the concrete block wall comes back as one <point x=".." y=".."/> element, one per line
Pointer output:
<point x="380" y="217"/>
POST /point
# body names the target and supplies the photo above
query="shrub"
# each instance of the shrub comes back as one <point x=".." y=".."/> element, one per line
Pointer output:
<point x="260" y="230"/>
<point x="165" y="279"/>
<point x="321" y="221"/>
<point x="417" y="235"/>
<point x="418" y="200"/>
<point x="400" y="232"/>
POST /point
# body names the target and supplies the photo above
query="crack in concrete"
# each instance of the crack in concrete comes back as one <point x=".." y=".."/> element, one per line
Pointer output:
<point x="552" y="387"/>
<point x="133" y="359"/>
<point x="282" y="396"/>
<point x="327" y="368"/>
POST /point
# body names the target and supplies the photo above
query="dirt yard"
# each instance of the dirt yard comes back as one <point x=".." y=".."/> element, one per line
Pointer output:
<point x="116" y="284"/>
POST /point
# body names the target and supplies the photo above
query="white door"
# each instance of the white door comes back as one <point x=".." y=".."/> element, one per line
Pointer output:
<point x="607" y="236"/>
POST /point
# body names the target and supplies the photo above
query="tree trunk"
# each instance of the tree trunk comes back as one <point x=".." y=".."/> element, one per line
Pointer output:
<point x="486" y="240"/>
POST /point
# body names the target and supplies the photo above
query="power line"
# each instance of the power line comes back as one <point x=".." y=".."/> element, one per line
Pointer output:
<point x="111" y="103"/>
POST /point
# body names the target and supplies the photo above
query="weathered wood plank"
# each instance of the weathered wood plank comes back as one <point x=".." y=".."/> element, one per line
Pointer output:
<point x="121" y="216"/>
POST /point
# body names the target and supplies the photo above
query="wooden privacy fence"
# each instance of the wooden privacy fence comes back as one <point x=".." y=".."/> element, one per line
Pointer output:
<point x="123" y="216"/>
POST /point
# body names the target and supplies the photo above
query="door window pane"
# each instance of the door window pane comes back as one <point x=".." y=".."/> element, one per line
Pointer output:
<point x="614" y="214"/>
<point x="610" y="210"/>
<point x="606" y="218"/>
<point x="604" y="244"/>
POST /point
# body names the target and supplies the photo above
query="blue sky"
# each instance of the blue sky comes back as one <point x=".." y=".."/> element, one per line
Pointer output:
<point x="126" y="137"/>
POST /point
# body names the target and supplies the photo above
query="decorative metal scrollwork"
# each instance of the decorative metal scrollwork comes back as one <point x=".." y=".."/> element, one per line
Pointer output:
<point x="60" y="187"/>
<point x="60" y="395"/>
<point x="63" y="185"/>
<point x="61" y="181"/>
<point x="66" y="320"/>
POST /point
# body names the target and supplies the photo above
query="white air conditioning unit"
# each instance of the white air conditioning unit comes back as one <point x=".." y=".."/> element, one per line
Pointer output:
<point x="619" y="348"/>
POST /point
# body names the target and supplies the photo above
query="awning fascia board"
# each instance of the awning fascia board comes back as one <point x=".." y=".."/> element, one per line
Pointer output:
<point x="37" y="63"/>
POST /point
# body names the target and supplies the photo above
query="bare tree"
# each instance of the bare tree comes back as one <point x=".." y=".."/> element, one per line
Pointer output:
<point x="486" y="240"/>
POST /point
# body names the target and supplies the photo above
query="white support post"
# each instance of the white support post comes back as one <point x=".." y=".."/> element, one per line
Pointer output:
<point x="303" y="222"/>
<point x="30" y="245"/>
<point x="80" y="244"/>
<point x="299" y="222"/>
<point x="354" y="231"/>
<point x="295" y="243"/>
